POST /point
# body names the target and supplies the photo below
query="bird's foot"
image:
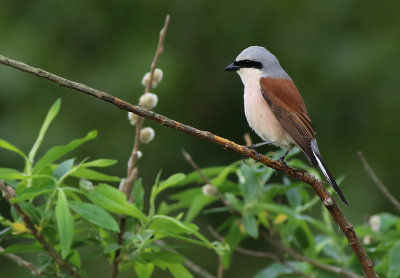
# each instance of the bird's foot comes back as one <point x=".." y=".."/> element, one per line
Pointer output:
<point x="253" y="149"/>
<point x="282" y="160"/>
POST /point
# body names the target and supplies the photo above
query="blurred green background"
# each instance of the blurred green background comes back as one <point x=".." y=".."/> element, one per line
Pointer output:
<point x="343" y="55"/>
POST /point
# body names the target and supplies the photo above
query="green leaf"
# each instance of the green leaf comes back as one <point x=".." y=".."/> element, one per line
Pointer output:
<point x="248" y="183"/>
<point x="294" y="197"/>
<point x="138" y="194"/>
<point x="250" y="225"/>
<point x="114" y="201"/>
<point x="95" y="215"/>
<point x="58" y="151"/>
<point x="387" y="221"/>
<point x="65" y="223"/>
<point x="29" y="193"/>
<point x="163" y="258"/>
<point x="199" y="202"/>
<point x="195" y="176"/>
<point x="274" y="270"/>
<point x="22" y="248"/>
<point x="8" y="146"/>
<point x="75" y="258"/>
<point x="63" y="168"/>
<point x="217" y="181"/>
<point x="394" y="259"/>
<point x="11" y="174"/>
<point x="171" y="181"/>
<point x="49" y="118"/>
<point x="169" y="225"/>
<point x="144" y="270"/>
<point x="100" y="163"/>
<point x="233" y="239"/>
<point x="89" y="174"/>
<point x="179" y="271"/>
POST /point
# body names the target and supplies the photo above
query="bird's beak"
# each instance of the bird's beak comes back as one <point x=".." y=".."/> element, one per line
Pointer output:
<point x="232" y="67"/>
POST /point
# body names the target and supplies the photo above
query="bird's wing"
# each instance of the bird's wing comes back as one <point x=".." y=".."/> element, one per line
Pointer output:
<point x="288" y="107"/>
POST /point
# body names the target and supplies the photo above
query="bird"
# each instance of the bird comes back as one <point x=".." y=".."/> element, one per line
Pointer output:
<point x="274" y="108"/>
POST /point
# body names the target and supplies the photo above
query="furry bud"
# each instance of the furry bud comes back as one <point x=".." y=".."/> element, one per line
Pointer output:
<point x="157" y="76"/>
<point x="209" y="190"/>
<point x="146" y="135"/>
<point x="133" y="118"/>
<point x="375" y="223"/>
<point x="148" y="100"/>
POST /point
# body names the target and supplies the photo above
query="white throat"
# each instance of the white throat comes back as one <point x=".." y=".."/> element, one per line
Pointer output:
<point x="249" y="75"/>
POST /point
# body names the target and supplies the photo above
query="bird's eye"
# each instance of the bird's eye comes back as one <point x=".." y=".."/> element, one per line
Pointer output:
<point x="248" y="64"/>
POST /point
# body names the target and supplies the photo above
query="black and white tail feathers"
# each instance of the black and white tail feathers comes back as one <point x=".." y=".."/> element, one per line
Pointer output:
<point x="316" y="159"/>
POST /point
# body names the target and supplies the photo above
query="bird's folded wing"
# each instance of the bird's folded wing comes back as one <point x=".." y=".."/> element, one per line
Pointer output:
<point x="288" y="107"/>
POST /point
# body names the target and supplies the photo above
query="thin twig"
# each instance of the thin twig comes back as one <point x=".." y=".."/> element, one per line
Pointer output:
<point x="378" y="182"/>
<point x="21" y="262"/>
<point x="258" y="254"/>
<point x="345" y="226"/>
<point x="300" y="257"/>
<point x="221" y="197"/>
<point x="188" y="263"/>
<point x="189" y="159"/>
<point x="127" y="184"/>
<point x="8" y="193"/>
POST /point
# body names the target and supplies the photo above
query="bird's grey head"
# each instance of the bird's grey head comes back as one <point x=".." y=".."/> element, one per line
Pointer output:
<point x="260" y="60"/>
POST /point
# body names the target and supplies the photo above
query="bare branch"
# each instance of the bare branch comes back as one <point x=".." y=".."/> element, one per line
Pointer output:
<point x="378" y="182"/>
<point x="189" y="159"/>
<point x="345" y="226"/>
<point x="188" y="263"/>
<point x="21" y="262"/>
<point x="8" y="193"/>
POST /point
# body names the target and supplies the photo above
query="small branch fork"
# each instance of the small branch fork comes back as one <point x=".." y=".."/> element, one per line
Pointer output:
<point x="345" y="226"/>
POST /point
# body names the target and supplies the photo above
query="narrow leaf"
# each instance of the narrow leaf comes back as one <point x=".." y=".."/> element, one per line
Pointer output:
<point x="11" y="174"/>
<point x="250" y="225"/>
<point x="22" y="248"/>
<point x="90" y="174"/>
<point x="179" y="271"/>
<point x="29" y="193"/>
<point x="58" y="151"/>
<point x="95" y="215"/>
<point x="114" y="201"/>
<point x="65" y="223"/>
<point x="144" y="270"/>
<point x="8" y="146"/>
<point x="63" y="168"/>
<point x="171" y="181"/>
<point x="49" y="118"/>
<point x="100" y="163"/>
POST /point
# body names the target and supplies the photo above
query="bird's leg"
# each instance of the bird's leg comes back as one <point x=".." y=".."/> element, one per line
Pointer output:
<point x="282" y="158"/>
<point x="254" y="146"/>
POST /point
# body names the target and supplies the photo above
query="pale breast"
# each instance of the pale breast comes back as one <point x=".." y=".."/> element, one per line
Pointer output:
<point x="260" y="117"/>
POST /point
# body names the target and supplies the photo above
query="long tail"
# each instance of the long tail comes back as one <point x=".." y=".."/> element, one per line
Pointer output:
<point x="316" y="159"/>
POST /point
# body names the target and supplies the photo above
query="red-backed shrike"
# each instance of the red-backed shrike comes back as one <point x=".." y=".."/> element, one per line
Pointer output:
<point x="274" y="107"/>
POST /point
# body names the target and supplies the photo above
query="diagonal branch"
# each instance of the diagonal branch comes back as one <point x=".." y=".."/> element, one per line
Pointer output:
<point x="378" y="182"/>
<point x="21" y="262"/>
<point x="345" y="226"/>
